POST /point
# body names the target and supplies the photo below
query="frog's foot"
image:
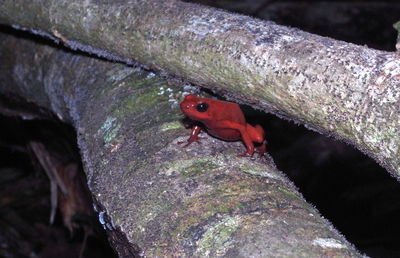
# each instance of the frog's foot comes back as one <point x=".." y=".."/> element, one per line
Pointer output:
<point x="190" y="141"/>
<point x="246" y="154"/>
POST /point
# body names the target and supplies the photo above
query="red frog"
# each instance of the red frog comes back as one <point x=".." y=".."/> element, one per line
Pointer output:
<point x="224" y="120"/>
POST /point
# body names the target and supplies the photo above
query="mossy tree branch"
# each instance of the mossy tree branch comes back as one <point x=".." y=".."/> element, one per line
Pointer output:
<point x="160" y="199"/>
<point x="347" y="91"/>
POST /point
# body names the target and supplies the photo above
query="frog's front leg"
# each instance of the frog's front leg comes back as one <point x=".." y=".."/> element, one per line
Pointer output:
<point x="194" y="136"/>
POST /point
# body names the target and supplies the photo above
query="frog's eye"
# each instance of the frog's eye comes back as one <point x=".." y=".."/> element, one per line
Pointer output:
<point x="202" y="107"/>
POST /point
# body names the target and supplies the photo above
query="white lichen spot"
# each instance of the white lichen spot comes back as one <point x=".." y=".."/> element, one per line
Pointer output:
<point x="328" y="243"/>
<point x="107" y="124"/>
<point x="150" y="75"/>
<point x="287" y="38"/>
<point x="161" y="91"/>
<point x="202" y="25"/>
<point x="174" y="103"/>
<point x="109" y="129"/>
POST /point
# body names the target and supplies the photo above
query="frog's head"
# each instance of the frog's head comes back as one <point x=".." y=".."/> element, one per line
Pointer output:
<point x="195" y="108"/>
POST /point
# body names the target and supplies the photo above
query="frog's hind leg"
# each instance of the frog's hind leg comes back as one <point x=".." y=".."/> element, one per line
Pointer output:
<point x="256" y="133"/>
<point x="258" y="137"/>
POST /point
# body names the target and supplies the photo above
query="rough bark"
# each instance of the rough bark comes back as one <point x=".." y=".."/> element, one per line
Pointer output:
<point x="155" y="198"/>
<point x="345" y="20"/>
<point x="340" y="89"/>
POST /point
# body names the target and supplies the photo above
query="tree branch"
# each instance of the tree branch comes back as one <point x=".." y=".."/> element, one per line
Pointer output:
<point x="340" y="89"/>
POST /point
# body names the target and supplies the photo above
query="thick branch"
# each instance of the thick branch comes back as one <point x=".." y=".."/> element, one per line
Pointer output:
<point x="164" y="200"/>
<point x="344" y="90"/>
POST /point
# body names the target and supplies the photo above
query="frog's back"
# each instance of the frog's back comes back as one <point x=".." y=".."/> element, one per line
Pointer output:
<point x="227" y="111"/>
<point x="224" y="113"/>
